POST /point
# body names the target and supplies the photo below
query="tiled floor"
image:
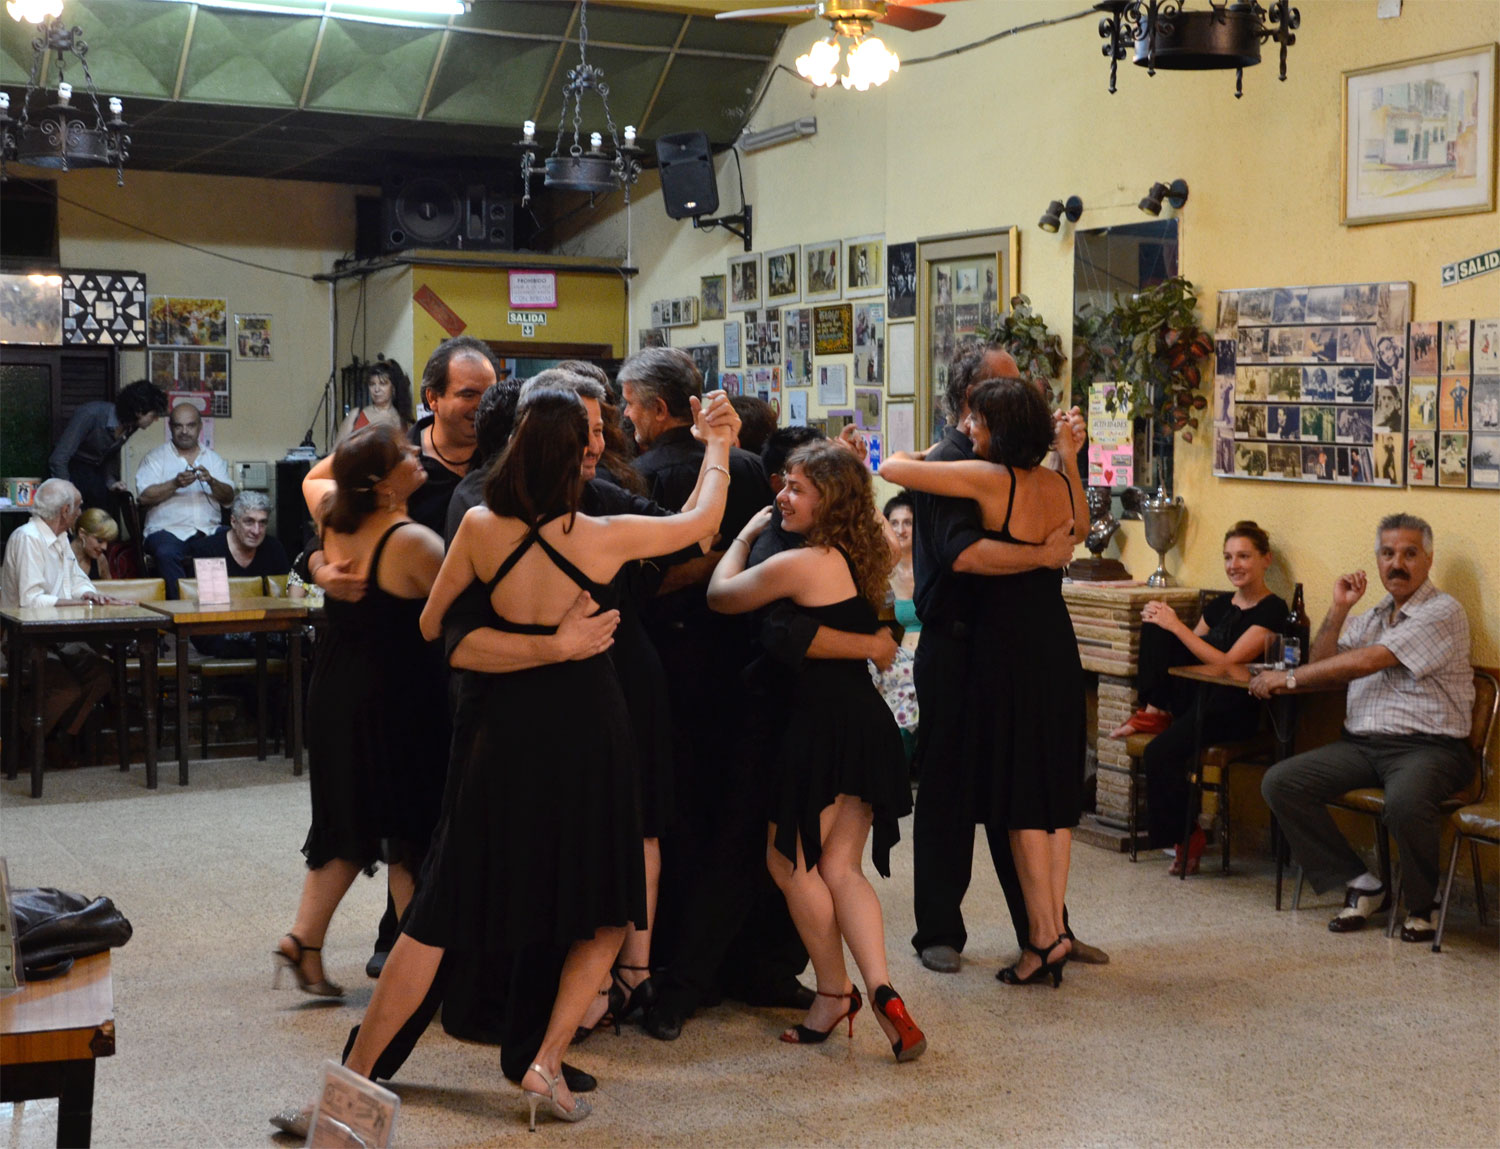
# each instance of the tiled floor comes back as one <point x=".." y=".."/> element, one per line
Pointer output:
<point x="1218" y="1022"/>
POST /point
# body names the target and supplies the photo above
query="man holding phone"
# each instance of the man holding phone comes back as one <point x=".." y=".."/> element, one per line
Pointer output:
<point x="184" y="487"/>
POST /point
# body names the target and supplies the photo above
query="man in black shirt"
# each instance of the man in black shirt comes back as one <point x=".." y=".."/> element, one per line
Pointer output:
<point x="950" y="552"/>
<point x="247" y="551"/>
<point x="456" y="377"/>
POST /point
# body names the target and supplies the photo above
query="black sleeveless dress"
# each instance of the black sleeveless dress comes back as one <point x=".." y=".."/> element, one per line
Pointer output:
<point x="540" y="837"/>
<point x="1025" y="699"/>
<point x="838" y="737"/>
<point x="377" y="730"/>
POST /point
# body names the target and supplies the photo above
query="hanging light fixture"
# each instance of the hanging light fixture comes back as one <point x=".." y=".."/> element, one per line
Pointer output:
<point x="53" y="131"/>
<point x="1168" y="34"/>
<point x="594" y="170"/>
<point x="869" y="62"/>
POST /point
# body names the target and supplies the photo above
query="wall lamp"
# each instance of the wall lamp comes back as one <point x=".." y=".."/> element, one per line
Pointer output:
<point x="1052" y="218"/>
<point x="1175" y="193"/>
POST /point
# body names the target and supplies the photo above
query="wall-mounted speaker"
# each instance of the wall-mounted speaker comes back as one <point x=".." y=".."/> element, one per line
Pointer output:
<point x="446" y="210"/>
<point x="688" y="186"/>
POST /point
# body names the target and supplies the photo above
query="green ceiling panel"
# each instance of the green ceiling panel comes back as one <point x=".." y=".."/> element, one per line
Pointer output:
<point x="372" y="68"/>
<point x="631" y="77"/>
<point x="490" y="81"/>
<point x="534" y="19"/>
<point x="15" y="51"/>
<point x="136" y="52"/>
<point x="622" y="26"/>
<point x="740" y="36"/>
<point x="703" y="95"/>
<point x="248" y="58"/>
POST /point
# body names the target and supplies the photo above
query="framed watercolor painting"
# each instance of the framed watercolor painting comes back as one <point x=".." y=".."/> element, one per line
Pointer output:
<point x="1419" y="138"/>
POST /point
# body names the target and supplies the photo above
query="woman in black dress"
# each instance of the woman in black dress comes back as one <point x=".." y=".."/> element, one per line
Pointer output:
<point x="540" y="837"/>
<point x="378" y="742"/>
<point x="839" y="769"/>
<point x="1025" y="694"/>
<point x="1233" y="629"/>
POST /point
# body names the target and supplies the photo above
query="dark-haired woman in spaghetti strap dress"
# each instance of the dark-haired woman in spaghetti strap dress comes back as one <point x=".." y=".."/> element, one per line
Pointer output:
<point x="540" y="837"/>
<point x="1025" y="693"/>
<point x="838" y="770"/>
<point x="378" y="739"/>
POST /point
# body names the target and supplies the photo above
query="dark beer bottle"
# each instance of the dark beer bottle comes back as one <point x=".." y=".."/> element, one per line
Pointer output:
<point x="1296" y="622"/>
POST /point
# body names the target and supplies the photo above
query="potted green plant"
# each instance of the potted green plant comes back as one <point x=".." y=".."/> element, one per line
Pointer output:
<point x="1024" y="334"/>
<point x="1154" y="341"/>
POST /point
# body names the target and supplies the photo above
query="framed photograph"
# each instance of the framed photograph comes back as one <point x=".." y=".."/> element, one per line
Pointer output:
<point x="869" y="343"/>
<point x="31" y="311"/>
<point x="187" y="321"/>
<point x="1419" y="138"/>
<point x="821" y="263"/>
<point x="744" y="281"/>
<point x="713" y="296"/>
<point x="864" y="266"/>
<point x="653" y="337"/>
<point x="184" y="372"/>
<point x="784" y="275"/>
<point x="706" y="357"/>
<point x="901" y="280"/>
<point x="833" y="329"/>
<point x="732" y="345"/>
<point x="252" y="337"/>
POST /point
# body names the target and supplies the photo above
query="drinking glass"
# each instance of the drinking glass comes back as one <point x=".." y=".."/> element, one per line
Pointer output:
<point x="1272" y="655"/>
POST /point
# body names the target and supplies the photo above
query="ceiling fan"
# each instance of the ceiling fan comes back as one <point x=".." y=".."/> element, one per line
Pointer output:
<point x="870" y="62"/>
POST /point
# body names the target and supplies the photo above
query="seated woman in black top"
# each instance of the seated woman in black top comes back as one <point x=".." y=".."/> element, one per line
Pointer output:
<point x="1233" y="629"/>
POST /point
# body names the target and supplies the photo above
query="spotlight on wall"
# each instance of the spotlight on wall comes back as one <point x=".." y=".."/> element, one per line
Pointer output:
<point x="1052" y="218"/>
<point x="1175" y="193"/>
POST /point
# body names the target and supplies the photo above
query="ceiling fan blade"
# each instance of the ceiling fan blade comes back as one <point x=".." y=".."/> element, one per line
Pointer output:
<point x="909" y="18"/>
<point x="751" y="13"/>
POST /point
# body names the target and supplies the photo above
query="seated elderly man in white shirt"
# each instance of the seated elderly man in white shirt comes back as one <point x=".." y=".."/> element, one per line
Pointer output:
<point x="1411" y="701"/>
<point x="40" y="569"/>
<point x="184" y="487"/>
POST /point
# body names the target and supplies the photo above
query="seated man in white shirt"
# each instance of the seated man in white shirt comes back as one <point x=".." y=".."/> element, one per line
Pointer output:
<point x="1411" y="701"/>
<point x="184" y="488"/>
<point x="40" y="570"/>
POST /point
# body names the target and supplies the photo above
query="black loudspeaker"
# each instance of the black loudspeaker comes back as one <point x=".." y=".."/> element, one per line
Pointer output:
<point x="688" y="186"/>
<point x="446" y="209"/>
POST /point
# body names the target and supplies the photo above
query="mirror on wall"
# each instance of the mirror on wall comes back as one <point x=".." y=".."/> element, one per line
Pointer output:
<point x="1111" y="264"/>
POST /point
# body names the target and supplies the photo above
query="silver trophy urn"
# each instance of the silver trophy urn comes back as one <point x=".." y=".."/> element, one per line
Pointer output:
<point x="1162" y="515"/>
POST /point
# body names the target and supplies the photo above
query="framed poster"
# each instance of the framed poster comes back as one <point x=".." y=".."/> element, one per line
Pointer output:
<point x="192" y="373"/>
<point x="833" y="387"/>
<point x="963" y="283"/>
<point x="833" y="329"/>
<point x="188" y="321"/>
<point x="864" y="266"/>
<point x="901" y="280"/>
<point x="744" y="281"/>
<point x="712" y="293"/>
<point x="104" y="308"/>
<point x="797" y="346"/>
<point x="901" y="344"/>
<point x="763" y="338"/>
<point x="732" y="344"/>
<point x="252" y="337"/>
<point x="869" y="343"/>
<point x="820" y="271"/>
<point x="1419" y="138"/>
<point x="706" y="358"/>
<point x="784" y="275"/>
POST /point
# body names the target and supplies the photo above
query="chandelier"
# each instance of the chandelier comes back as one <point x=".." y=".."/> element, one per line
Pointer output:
<point x="60" y="134"/>
<point x="1167" y="34"/>
<point x="595" y="171"/>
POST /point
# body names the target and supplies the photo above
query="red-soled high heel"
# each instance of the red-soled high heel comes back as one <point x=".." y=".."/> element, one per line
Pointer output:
<point x="910" y="1041"/>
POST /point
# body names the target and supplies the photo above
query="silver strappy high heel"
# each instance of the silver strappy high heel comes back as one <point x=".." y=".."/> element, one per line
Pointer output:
<point x="580" y="1110"/>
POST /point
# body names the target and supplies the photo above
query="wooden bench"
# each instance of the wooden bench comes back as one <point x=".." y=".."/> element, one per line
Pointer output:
<point x="51" y="1034"/>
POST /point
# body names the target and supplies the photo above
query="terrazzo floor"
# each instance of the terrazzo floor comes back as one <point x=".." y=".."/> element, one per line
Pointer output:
<point x="1218" y="1022"/>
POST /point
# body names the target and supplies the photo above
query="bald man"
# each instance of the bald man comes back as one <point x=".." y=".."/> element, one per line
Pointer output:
<point x="184" y="488"/>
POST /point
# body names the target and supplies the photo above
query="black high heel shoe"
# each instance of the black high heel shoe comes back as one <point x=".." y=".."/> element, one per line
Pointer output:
<point x="1047" y="970"/>
<point x="910" y="1041"/>
<point x="633" y="999"/>
<point x="281" y="961"/>
<point x="806" y="1035"/>
<point x="610" y="1015"/>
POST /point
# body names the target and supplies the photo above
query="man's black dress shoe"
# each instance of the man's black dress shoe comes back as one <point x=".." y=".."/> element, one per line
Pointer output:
<point x="1359" y="907"/>
<point x="790" y="995"/>
<point x="664" y="1021"/>
<point x="376" y="963"/>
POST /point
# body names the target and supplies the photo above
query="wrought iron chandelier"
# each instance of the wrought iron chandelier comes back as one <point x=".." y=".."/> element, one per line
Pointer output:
<point x="594" y="170"/>
<point x="61" y="134"/>
<point x="1167" y="34"/>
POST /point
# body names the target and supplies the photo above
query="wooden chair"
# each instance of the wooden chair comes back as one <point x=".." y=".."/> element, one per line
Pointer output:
<point x="213" y="669"/>
<point x="1370" y="800"/>
<point x="1480" y="820"/>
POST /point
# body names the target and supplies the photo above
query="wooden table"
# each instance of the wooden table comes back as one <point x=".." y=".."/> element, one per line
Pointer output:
<point x="1281" y="708"/>
<point x="51" y="1034"/>
<point x="37" y="626"/>
<point x="259" y="616"/>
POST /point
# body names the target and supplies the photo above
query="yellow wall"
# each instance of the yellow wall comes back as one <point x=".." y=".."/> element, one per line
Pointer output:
<point x="984" y="140"/>
<point x="294" y="227"/>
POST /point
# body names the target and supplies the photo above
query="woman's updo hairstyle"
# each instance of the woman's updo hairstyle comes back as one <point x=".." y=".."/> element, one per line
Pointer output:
<point x="361" y="461"/>
<point x="1018" y="420"/>
<point x="1250" y="529"/>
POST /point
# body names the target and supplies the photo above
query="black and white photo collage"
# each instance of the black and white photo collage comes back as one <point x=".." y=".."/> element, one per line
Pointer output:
<point x="1453" y="412"/>
<point x="1310" y="383"/>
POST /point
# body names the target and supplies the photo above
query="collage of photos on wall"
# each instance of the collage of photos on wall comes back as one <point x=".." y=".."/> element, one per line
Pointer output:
<point x="1310" y="384"/>
<point x="1454" y="405"/>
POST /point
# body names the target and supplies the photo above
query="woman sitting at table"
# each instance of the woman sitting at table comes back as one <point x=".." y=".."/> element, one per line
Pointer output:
<point x="1233" y="629"/>
<point x="91" y="539"/>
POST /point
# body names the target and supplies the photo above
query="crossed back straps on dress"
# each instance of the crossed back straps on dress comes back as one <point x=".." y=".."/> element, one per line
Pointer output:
<point x="559" y="560"/>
